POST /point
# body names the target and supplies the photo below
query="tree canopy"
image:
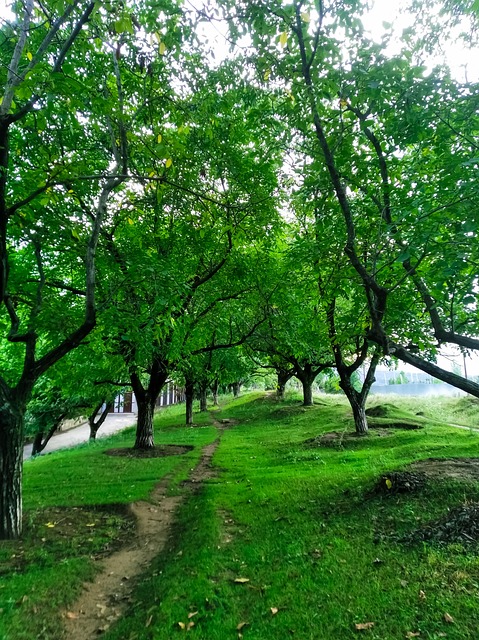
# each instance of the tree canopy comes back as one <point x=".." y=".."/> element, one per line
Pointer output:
<point x="310" y="196"/>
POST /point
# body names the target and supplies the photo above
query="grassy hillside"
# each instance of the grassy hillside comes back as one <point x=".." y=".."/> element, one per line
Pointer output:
<point x="294" y="537"/>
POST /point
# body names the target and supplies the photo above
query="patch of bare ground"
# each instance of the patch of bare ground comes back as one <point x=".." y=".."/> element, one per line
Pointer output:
<point x="156" y="452"/>
<point x="338" y="439"/>
<point x="400" y="482"/>
<point x="449" y="468"/>
<point x="106" y="600"/>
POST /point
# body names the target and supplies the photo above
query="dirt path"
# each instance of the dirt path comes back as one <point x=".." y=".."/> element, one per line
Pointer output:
<point x="104" y="601"/>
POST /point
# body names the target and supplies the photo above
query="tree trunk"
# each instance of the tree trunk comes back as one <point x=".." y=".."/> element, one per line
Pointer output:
<point x="203" y="398"/>
<point x="358" y="406"/>
<point x="144" y="426"/>
<point x="283" y="377"/>
<point x="40" y="442"/>
<point x="214" y="390"/>
<point x="11" y="470"/>
<point x="94" y="426"/>
<point x="236" y="388"/>
<point x="307" y="392"/>
<point x="189" y="395"/>
<point x="357" y="402"/>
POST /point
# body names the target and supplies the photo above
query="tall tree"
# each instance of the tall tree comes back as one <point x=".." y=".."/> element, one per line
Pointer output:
<point x="62" y="133"/>
<point x="393" y="150"/>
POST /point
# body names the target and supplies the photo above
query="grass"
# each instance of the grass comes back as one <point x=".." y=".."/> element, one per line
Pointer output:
<point x="74" y="504"/>
<point x="318" y="548"/>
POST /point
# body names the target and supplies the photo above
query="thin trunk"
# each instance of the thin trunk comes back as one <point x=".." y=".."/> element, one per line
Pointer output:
<point x="189" y="395"/>
<point x="95" y="425"/>
<point x="214" y="390"/>
<point x="283" y="377"/>
<point x="203" y="398"/>
<point x="144" y="427"/>
<point x="40" y="441"/>
<point x="236" y="388"/>
<point x="11" y="469"/>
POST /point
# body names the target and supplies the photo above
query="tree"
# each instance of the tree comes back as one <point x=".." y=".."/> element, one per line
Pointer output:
<point x="393" y="152"/>
<point x="54" y="146"/>
<point x="172" y="241"/>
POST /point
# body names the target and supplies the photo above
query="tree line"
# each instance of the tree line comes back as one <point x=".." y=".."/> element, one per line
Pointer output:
<point x="307" y="203"/>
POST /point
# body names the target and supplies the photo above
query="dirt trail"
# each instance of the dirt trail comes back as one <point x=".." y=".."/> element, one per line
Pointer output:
<point x="105" y="600"/>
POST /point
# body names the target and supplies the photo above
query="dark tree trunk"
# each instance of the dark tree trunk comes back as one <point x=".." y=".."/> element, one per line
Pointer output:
<point x="203" y="397"/>
<point x="357" y="399"/>
<point x="11" y="470"/>
<point x="357" y="402"/>
<point x="306" y="374"/>
<point x="146" y="401"/>
<point x="214" y="390"/>
<point x="40" y="441"/>
<point x="95" y="425"/>
<point x="144" y="427"/>
<point x="189" y="396"/>
<point x="236" y="388"/>
<point x="283" y="377"/>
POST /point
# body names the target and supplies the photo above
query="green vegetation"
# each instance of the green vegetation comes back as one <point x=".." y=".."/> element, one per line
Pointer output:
<point x="75" y="510"/>
<point x="318" y="548"/>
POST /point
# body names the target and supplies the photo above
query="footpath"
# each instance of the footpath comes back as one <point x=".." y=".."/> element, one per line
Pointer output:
<point x="62" y="440"/>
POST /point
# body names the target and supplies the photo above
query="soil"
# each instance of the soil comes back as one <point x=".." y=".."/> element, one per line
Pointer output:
<point x="449" y="468"/>
<point x="400" y="482"/>
<point x="106" y="600"/>
<point x="156" y="452"/>
<point x="458" y="525"/>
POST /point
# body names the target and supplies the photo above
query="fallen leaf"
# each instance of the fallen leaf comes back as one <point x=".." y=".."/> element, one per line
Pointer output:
<point x="90" y="524"/>
<point x="389" y="484"/>
<point x="192" y="614"/>
<point x="241" y="625"/>
<point x="448" y="618"/>
<point x="404" y="583"/>
<point x="412" y="634"/>
<point x="50" y="525"/>
<point x="422" y="595"/>
<point x="71" y="615"/>
<point x="241" y="580"/>
<point x="148" y="622"/>
<point x="182" y="625"/>
<point x="274" y="610"/>
<point x="364" y="626"/>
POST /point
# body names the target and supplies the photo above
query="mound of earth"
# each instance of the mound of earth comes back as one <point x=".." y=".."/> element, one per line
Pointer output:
<point x="449" y="468"/>
<point x="408" y="426"/>
<point x="458" y="525"/>
<point x="157" y="452"/>
<point x="381" y="410"/>
<point x="339" y="438"/>
<point x="400" y="482"/>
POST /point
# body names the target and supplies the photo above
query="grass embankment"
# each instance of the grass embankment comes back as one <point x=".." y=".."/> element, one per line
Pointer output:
<point x="75" y="510"/>
<point x="288" y="541"/>
<point x="300" y="524"/>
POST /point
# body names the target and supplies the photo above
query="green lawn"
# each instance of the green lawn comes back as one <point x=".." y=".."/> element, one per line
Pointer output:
<point x="288" y="541"/>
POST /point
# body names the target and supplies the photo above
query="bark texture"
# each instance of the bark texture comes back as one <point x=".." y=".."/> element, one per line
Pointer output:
<point x="144" y="427"/>
<point x="11" y="471"/>
<point x="189" y="396"/>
